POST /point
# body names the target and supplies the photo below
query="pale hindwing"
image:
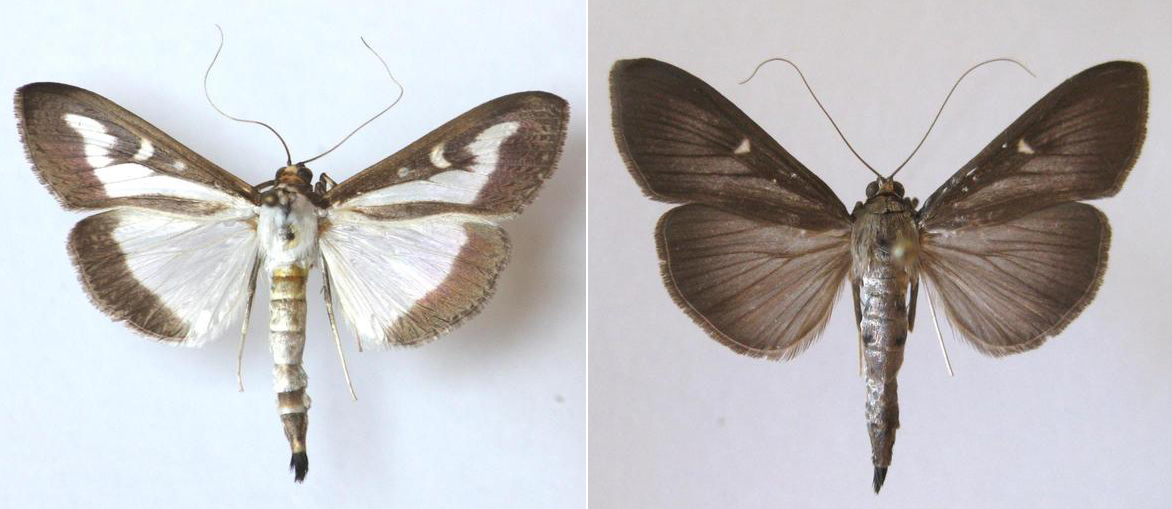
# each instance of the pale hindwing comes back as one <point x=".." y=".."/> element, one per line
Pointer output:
<point x="179" y="279"/>
<point x="94" y="154"/>
<point x="404" y="282"/>
<point x="1008" y="287"/>
<point x="761" y="288"/>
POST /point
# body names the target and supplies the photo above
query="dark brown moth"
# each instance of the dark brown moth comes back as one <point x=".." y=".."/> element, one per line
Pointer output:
<point x="760" y="246"/>
<point x="412" y="246"/>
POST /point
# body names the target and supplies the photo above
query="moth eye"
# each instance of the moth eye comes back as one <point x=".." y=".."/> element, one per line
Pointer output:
<point x="898" y="189"/>
<point x="305" y="174"/>
<point x="872" y="188"/>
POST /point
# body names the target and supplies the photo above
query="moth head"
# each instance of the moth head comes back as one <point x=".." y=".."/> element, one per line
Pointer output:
<point x="294" y="174"/>
<point x="884" y="186"/>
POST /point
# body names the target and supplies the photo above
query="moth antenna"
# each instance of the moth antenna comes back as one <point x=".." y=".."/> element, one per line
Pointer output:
<point x="936" y="324"/>
<point x="824" y="112"/>
<point x="288" y="157"/>
<point x="371" y="119"/>
<point x="949" y="96"/>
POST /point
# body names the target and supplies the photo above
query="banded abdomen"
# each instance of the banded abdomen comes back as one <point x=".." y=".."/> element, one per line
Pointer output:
<point x="884" y="328"/>
<point x="287" y="343"/>
<point x="884" y="247"/>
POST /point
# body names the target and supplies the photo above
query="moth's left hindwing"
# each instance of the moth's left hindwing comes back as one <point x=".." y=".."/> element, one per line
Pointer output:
<point x="173" y="257"/>
<point x="412" y="244"/>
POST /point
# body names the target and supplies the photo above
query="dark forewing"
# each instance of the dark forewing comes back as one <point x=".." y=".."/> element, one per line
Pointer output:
<point x="1015" y="257"/>
<point x="1008" y="287"/>
<point x="1077" y="143"/>
<point x="92" y="153"/>
<point x="761" y="288"/>
<point x="684" y="142"/>
<point x="488" y="161"/>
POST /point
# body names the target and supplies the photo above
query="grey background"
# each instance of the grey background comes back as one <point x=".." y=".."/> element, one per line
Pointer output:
<point x="677" y="420"/>
<point x="492" y="415"/>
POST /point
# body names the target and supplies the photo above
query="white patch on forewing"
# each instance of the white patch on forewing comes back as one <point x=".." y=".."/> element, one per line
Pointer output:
<point x="197" y="267"/>
<point x="96" y="140"/>
<point x="380" y="269"/>
<point x="145" y="151"/>
<point x="437" y="157"/>
<point x="1024" y="147"/>
<point x="458" y="185"/>
<point x="743" y="148"/>
<point x="404" y="171"/>
<point x="180" y="165"/>
<point x="132" y="179"/>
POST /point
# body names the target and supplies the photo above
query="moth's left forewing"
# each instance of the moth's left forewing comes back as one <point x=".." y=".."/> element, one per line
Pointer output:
<point x="487" y="162"/>
<point x="413" y="244"/>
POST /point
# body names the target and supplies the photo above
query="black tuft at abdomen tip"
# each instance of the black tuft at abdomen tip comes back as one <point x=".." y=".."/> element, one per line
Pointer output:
<point x="299" y="464"/>
<point x="880" y="475"/>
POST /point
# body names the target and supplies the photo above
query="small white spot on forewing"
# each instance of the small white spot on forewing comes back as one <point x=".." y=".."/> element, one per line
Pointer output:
<point x="145" y="150"/>
<point x="1024" y="147"/>
<point x="743" y="148"/>
<point x="404" y="171"/>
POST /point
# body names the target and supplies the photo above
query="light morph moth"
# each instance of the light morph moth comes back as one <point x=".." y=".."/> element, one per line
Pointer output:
<point x="760" y="247"/>
<point x="411" y="246"/>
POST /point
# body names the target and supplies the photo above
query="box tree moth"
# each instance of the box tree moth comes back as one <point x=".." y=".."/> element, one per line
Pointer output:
<point x="760" y="246"/>
<point x="412" y="245"/>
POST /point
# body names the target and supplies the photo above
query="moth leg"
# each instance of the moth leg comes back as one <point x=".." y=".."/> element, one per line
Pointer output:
<point x="265" y="184"/>
<point x="244" y="328"/>
<point x="858" y="322"/>
<point x="911" y="305"/>
<point x="326" y="283"/>
<point x="324" y="183"/>
<point x="932" y="308"/>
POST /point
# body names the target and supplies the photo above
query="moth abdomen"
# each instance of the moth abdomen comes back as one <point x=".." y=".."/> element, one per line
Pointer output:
<point x="884" y="329"/>
<point x="287" y="343"/>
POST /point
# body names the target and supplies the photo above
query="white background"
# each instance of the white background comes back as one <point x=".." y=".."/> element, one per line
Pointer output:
<point x="679" y="421"/>
<point x="493" y="415"/>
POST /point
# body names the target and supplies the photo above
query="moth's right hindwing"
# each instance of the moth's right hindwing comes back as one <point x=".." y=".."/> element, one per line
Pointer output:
<point x="759" y="254"/>
<point x="173" y="257"/>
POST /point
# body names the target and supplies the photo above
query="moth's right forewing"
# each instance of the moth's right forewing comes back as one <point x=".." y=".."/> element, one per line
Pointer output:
<point x="761" y="288"/>
<point x="684" y="142"/>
